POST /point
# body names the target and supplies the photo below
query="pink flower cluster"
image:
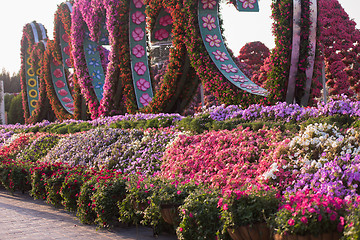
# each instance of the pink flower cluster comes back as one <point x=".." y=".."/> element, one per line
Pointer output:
<point x="225" y="158"/>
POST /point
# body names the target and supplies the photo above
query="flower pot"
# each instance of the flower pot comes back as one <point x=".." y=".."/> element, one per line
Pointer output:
<point x="324" y="236"/>
<point x="170" y="213"/>
<point x="254" y="232"/>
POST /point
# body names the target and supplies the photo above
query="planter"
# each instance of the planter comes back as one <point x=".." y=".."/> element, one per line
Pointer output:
<point x="254" y="232"/>
<point x="323" y="236"/>
<point x="170" y="213"/>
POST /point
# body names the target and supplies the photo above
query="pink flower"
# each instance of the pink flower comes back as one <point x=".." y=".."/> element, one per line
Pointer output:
<point x="219" y="55"/>
<point x="142" y="84"/>
<point x="213" y="40"/>
<point x="161" y="34"/>
<point x="178" y="192"/>
<point x="145" y="99"/>
<point x="304" y="220"/>
<point x="140" y="68"/>
<point x="60" y="84"/>
<point x="138" y="51"/>
<point x="138" y="34"/>
<point x="181" y="229"/>
<point x="248" y="3"/>
<point x="291" y="222"/>
<point x="208" y="4"/>
<point x="166" y="20"/>
<point x="229" y="68"/>
<point x="333" y="217"/>
<point x="58" y="73"/>
<point x="209" y="22"/>
<point x="225" y="207"/>
<point x="138" y="17"/>
<point x="138" y="3"/>
<point x="319" y="217"/>
<point x="238" y="78"/>
<point x="69" y="105"/>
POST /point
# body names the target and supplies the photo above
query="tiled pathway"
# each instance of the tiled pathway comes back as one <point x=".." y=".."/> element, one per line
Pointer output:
<point x="22" y="217"/>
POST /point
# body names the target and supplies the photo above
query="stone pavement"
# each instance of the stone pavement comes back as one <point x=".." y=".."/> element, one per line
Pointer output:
<point x="22" y="217"/>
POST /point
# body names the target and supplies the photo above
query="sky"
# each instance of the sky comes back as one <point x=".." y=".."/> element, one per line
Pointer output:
<point x="239" y="28"/>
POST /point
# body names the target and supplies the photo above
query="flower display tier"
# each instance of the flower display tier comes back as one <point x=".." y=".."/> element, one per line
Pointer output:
<point x="99" y="63"/>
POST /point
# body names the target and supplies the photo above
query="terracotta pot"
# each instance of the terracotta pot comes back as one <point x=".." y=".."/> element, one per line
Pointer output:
<point x="254" y="232"/>
<point x="170" y="213"/>
<point x="324" y="236"/>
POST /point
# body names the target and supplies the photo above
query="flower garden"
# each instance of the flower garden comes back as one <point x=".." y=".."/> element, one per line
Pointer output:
<point x="279" y="171"/>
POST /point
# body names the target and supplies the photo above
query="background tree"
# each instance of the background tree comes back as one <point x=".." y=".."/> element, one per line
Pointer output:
<point x="253" y="54"/>
<point x="11" y="82"/>
<point x="16" y="112"/>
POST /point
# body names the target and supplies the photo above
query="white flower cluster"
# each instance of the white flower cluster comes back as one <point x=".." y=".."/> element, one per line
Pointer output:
<point x="318" y="142"/>
<point x="270" y="174"/>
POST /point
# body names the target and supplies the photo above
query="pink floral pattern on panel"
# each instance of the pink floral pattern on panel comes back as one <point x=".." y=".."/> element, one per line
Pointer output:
<point x="249" y="86"/>
<point x="208" y="4"/>
<point x="67" y="50"/>
<point x="248" y="3"/>
<point x="58" y="73"/>
<point x="69" y="105"/>
<point x="66" y="99"/>
<point x="238" y="78"/>
<point x="65" y="37"/>
<point x="63" y="92"/>
<point x="259" y="91"/>
<point x="219" y="55"/>
<point x="209" y="22"/>
<point x="60" y="84"/>
<point x="56" y="63"/>
<point x="145" y="99"/>
<point x="68" y="62"/>
<point x="161" y="34"/>
<point x="140" y="68"/>
<point x="166" y="20"/>
<point x="138" y="51"/>
<point x="213" y="40"/>
<point x="138" y="17"/>
<point x="138" y="34"/>
<point x="138" y="3"/>
<point x="142" y="84"/>
<point x="229" y="68"/>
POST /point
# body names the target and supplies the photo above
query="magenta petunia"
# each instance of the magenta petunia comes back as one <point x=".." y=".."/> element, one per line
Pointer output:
<point x="291" y="222"/>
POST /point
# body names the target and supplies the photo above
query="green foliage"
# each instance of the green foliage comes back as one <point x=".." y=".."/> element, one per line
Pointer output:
<point x="8" y="98"/>
<point x="159" y="122"/>
<point x="53" y="187"/>
<point x="106" y="199"/>
<point x="352" y="227"/>
<point x="15" y="175"/>
<point x="85" y="211"/>
<point x="197" y="124"/>
<point x="339" y="120"/>
<point x="39" y="148"/>
<point x="200" y="216"/>
<point x="16" y="112"/>
<point x="242" y="209"/>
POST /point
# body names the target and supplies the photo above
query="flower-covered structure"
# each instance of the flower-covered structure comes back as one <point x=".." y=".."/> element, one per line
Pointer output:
<point x="99" y="56"/>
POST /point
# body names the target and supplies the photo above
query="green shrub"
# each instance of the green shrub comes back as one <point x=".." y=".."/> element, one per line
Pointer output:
<point x="85" y="211"/>
<point x="16" y="112"/>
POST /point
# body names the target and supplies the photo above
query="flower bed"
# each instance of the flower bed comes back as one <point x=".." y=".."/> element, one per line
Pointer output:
<point x="119" y="169"/>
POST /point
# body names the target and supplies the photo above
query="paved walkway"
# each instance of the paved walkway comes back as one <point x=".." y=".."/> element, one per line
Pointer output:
<point x="22" y="217"/>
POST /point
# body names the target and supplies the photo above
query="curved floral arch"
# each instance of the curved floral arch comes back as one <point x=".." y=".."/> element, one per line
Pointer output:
<point x="191" y="60"/>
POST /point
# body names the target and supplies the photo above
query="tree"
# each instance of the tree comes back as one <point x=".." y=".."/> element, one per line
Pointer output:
<point x="11" y="83"/>
<point x="254" y="54"/>
<point x="16" y="112"/>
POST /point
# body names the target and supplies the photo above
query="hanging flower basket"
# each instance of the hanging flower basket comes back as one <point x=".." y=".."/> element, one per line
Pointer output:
<point x="251" y="232"/>
<point x="324" y="236"/>
<point x="170" y="213"/>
